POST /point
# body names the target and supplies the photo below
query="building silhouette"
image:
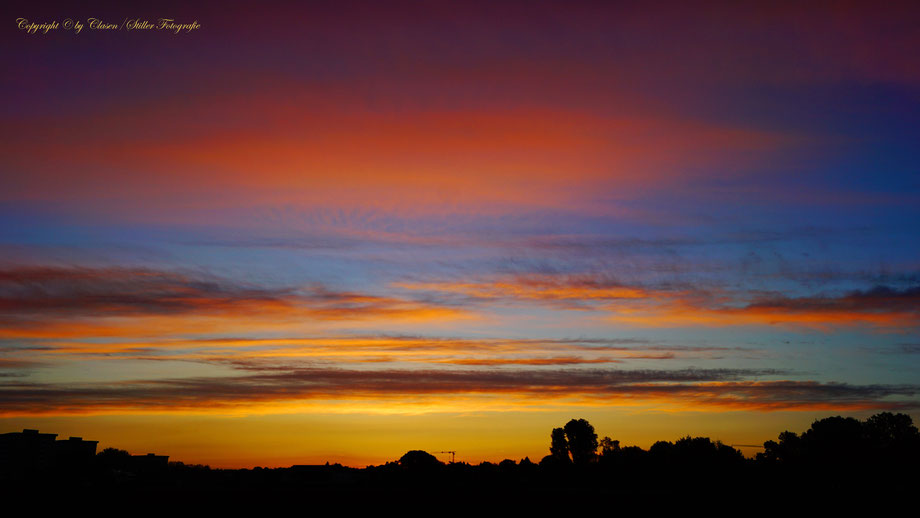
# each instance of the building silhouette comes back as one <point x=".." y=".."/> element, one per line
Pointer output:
<point x="30" y="452"/>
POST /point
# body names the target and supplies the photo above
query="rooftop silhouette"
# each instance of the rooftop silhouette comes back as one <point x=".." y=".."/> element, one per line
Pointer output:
<point x="876" y="457"/>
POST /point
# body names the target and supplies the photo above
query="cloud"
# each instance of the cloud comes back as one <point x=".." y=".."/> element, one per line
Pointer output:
<point x="878" y="299"/>
<point x="910" y="348"/>
<point x="49" y="302"/>
<point x="880" y="307"/>
<point x="565" y="291"/>
<point x="80" y="302"/>
<point x="15" y="368"/>
<point x="702" y="388"/>
<point x="317" y="301"/>
<point x="685" y="304"/>
<point x="377" y="348"/>
<point x="554" y="360"/>
<point x="898" y="349"/>
<point x="121" y="291"/>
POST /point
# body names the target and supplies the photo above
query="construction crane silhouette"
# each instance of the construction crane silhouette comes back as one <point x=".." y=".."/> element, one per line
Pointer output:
<point x="452" y="454"/>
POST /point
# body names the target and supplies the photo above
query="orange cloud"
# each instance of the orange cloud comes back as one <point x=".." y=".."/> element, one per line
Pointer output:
<point x="579" y="291"/>
<point x="299" y="152"/>
<point x="711" y="389"/>
<point x="881" y="307"/>
<point x="341" y="350"/>
<point x="84" y="302"/>
<point x="555" y="360"/>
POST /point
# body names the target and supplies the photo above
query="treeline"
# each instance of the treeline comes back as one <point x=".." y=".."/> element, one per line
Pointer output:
<point x="836" y="455"/>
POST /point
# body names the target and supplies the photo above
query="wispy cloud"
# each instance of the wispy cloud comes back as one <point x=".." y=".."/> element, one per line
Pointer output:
<point x="880" y="307"/>
<point x="570" y="291"/>
<point x="84" y="302"/>
<point x="553" y="360"/>
<point x="55" y="291"/>
<point x="416" y="349"/>
<point x="702" y="388"/>
<point x="898" y="349"/>
<point x="672" y="305"/>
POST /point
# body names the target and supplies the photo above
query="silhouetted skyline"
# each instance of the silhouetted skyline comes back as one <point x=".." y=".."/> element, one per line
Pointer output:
<point x="876" y="458"/>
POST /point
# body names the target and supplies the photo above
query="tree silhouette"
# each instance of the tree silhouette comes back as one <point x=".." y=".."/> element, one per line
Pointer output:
<point x="609" y="446"/>
<point x="582" y="441"/>
<point x="788" y="449"/>
<point x="418" y="460"/>
<point x="113" y="459"/>
<point x="886" y="430"/>
<point x="559" y="447"/>
<point x="884" y="441"/>
<point x="835" y="442"/>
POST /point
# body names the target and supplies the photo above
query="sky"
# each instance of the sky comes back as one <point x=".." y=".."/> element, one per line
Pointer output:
<point x="338" y="231"/>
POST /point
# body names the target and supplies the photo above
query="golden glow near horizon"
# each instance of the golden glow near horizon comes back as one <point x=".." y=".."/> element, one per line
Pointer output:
<point x="358" y="440"/>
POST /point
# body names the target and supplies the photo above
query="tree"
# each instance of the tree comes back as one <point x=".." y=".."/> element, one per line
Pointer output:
<point x="835" y="441"/>
<point x="582" y="441"/>
<point x="787" y="450"/>
<point x="609" y="446"/>
<point x="559" y="447"/>
<point x="418" y="460"/>
<point x="845" y="441"/>
<point x="888" y="430"/>
<point x="113" y="459"/>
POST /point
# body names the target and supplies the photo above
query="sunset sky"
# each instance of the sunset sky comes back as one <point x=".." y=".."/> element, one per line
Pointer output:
<point x="338" y="231"/>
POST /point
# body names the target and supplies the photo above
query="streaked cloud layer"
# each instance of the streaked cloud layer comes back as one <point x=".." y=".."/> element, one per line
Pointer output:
<point x="511" y="389"/>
